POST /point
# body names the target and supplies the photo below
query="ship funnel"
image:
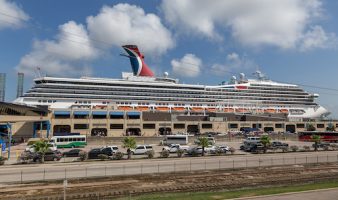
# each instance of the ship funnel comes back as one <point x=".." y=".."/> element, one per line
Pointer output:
<point x="138" y="65"/>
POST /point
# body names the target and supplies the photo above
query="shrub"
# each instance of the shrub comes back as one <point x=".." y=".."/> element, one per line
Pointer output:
<point x="164" y="153"/>
<point x="103" y="156"/>
<point x="294" y="148"/>
<point x="83" y="155"/>
<point x="285" y="149"/>
<point x="219" y="151"/>
<point x="334" y="147"/>
<point x="194" y="154"/>
<point x="306" y="148"/>
<point x="232" y="150"/>
<point x="150" y="154"/>
<point x="2" y="160"/>
<point x="118" y="155"/>
<point x="180" y="153"/>
<point x="25" y="157"/>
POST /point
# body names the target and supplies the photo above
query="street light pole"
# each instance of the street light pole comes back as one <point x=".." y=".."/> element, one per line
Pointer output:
<point x="9" y="128"/>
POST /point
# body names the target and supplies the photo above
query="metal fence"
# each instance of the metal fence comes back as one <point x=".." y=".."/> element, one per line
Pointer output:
<point x="115" y="168"/>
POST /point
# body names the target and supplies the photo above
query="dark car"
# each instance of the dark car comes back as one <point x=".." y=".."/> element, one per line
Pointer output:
<point x="107" y="150"/>
<point x="72" y="153"/>
<point x="277" y="144"/>
<point x="94" y="153"/>
<point x="321" y="145"/>
<point x="49" y="156"/>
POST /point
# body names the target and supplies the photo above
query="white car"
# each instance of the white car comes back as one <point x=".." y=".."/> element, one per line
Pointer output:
<point x="141" y="149"/>
<point x="222" y="148"/>
<point x="172" y="148"/>
<point x="52" y="147"/>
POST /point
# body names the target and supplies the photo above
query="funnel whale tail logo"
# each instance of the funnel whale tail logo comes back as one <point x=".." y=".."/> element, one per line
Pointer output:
<point x="138" y="65"/>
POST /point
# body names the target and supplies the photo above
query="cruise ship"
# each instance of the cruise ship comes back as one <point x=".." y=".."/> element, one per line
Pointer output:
<point x="141" y="90"/>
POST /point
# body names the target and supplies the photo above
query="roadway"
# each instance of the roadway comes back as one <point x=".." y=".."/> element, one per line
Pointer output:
<point x="58" y="171"/>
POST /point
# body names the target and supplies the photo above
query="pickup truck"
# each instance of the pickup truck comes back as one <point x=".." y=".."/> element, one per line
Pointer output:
<point x="172" y="148"/>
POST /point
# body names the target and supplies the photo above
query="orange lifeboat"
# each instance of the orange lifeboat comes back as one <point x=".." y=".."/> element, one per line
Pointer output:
<point x="242" y="110"/>
<point x="162" y="108"/>
<point x="270" y="110"/>
<point x="197" y="109"/>
<point x="259" y="111"/>
<point x="99" y="107"/>
<point x="211" y="109"/>
<point x="284" y="110"/>
<point x="142" y="108"/>
<point x="229" y="110"/>
<point x="125" y="108"/>
<point x="178" y="108"/>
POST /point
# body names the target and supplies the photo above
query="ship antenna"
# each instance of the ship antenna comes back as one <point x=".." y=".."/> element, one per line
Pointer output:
<point x="38" y="71"/>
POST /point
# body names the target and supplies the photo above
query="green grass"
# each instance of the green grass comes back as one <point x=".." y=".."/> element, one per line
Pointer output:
<point x="234" y="194"/>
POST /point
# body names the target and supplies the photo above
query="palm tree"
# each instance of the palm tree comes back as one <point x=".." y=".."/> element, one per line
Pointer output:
<point x="129" y="143"/>
<point x="265" y="140"/>
<point x="42" y="147"/>
<point x="330" y="127"/>
<point x="310" y="127"/>
<point x="203" y="142"/>
<point x="316" y="139"/>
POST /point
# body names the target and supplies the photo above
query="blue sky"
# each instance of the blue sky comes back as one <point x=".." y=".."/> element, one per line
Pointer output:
<point x="204" y="42"/>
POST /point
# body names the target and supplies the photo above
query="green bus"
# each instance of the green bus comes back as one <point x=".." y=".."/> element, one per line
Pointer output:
<point x="69" y="141"/>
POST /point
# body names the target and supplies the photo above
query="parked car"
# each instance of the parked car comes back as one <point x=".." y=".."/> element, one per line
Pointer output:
<point x="252" y="140"/>
<point x="114" y="149"/>
<point x="198" y="150"/>
<point x="93" y="154"/>
<point x="194" y="150"/>
<point x="141" y="149"/>
<point x="254" y="148"/>
<point x="49" y="156"/>
<point x="72" y="153"/>
<point x="52" y="147"/>
<point x="221" y="148"/>
<point x="321" y="144"/>
<point x="278" y="144"/>
<point x="107" y="151"/>
<point x="172" y="148"/>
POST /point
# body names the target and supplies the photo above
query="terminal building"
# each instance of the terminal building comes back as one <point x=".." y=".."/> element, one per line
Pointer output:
<point x="101" y="121"/>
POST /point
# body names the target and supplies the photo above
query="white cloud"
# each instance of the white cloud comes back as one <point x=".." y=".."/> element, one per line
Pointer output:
<point x="233" y="57"/>
<point x="280" y="23"/>
<point x="61" y="56"/>
<point x="128" y="24"/>
<point x="11" y="16"/>
<point x="318" y="38"/>
<point x="189" y="66"/>
<point x="234" y="62"/>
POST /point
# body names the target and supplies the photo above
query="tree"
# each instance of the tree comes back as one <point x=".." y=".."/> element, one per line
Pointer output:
<point x="42" y="147"/>
<point x="316" y="139"/>
<point x="203" y="142"/>
<point x="310" y="127"/>
<point x="330" y="127"/>
<point x="265" y="140"/>
<point x="129" y="143"/>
